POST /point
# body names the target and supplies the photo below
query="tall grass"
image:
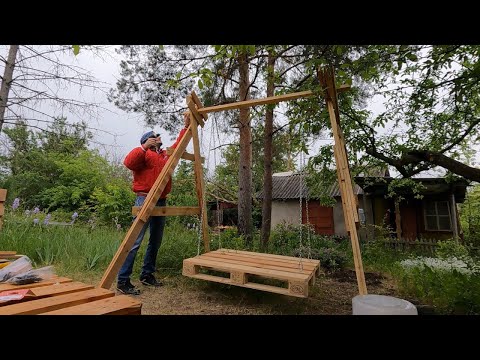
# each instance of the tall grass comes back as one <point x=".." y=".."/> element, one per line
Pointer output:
<point x="82" y="252"/>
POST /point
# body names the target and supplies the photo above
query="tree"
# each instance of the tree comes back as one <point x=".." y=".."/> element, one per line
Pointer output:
<point x="432" y="110"/>
<point x="156" y="79"/>
<point x="32" y="76"/>
<point x="54" y="170"/>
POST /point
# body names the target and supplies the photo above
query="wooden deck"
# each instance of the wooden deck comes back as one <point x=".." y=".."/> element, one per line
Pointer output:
<point x="245" y="268"/>
<point x="62" y="296"/>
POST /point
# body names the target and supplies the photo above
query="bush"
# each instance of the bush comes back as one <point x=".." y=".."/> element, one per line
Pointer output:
<point x="451" y="285"/>
<point x="330" y="258"/>
<point x="451" y="248"/>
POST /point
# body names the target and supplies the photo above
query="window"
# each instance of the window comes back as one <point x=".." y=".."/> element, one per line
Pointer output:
<point x="437" y="216"/>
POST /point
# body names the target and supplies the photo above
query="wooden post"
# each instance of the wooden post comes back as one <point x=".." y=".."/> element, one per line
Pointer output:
<point x="398" y="220"/>
<point x="453" y="216"/>
<point x="199" y="184"/>
<point x="349" y="202"/>
<point x="3" y="197"/>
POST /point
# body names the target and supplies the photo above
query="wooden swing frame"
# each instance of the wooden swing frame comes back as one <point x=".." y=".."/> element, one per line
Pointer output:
<point x="297" y="286"/>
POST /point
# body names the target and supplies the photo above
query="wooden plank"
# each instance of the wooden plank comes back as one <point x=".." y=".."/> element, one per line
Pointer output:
<point x="343" y="197"/>
<point x="185" y="155"/>
<point x="327" y="80"/>
<point x="7" y="254"/>
<point x="199" y="104"/>
<point x="144" y="214"/>
<point x="297" y="270"/>
<point x="267" y="264"/>
<point x="5" y="287"/>
<point x="295" y="259"/>
<point x="263" y="101"/>
<point x="170" y="210"/>
<point x="250" y="285"/>
<point x="199" y="185"/>
<point x="116" y="305"/>
<point x="56" y="302"/>
<point x="194" y="111"/>
<point x="226" y="267"/>
<point x="57" y="289"/>
<point x="52" y="290"/>
<point x="3" y="195"/>
<point x="2" y="209"/>
<point x="266" y="260"/>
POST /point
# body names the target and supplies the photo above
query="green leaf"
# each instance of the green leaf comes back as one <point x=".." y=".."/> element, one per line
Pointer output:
<point x="412" y="57"/>
<point x="200" y="84"/>
<point x="76" y="49"/>
<point x="160" y="47"/>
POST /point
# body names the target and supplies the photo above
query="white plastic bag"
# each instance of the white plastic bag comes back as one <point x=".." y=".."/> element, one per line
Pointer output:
<point x="19" y="266"/>
<point x="32" y="276"/>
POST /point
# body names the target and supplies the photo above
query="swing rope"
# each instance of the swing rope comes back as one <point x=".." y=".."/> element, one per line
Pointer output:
<point x="215" y="127"/>
<point x="301" y="177"/>
<point x="201" y="218"/>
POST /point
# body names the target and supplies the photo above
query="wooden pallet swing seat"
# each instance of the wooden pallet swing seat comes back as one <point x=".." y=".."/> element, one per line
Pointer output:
<point x="243" y="267"/>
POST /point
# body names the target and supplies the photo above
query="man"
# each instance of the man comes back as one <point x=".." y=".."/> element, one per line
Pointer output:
<point x="146" y="163"/>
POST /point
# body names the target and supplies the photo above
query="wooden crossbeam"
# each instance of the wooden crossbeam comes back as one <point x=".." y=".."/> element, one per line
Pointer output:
<point x="145" y="212"/>
<point x="185" y="155"/>
<point x="197" y="102"/>
<point x="326" y="77"/>
<point x="194" y="111"/>
<point x="264" y="101"/>
<point x="170" y="210"/>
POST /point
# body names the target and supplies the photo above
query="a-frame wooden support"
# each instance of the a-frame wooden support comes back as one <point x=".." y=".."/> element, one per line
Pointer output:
<point x="326" y="77"/>
<point x="148" y="208"/>
<point x="198" y="116"/>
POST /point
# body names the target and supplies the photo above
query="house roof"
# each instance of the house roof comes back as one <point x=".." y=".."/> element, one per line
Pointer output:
<point x="433" y="186"/>
<point x="291" y="185"/>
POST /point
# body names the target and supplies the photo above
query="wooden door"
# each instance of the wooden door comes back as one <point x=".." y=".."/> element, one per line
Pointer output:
<point x="321" y="217"/>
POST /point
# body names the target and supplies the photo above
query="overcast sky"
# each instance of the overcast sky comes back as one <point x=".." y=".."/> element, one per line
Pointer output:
<point x="117" y="132"/>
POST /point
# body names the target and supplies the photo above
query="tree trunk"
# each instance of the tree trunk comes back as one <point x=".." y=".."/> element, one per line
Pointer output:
<point x="245" y="166"/>
<point x="7" y="82"/>
<point x="438" y="159"/>
<point x="268" y="154"/>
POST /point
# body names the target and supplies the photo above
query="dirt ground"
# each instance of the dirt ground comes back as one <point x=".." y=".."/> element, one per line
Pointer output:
<point x="331" y="295"/>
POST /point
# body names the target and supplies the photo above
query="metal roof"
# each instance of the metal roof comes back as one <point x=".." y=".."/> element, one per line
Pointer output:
<point x="291" y="186"/>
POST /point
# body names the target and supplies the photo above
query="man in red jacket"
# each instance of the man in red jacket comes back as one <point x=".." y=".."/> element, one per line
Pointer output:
<point x="146" y="163"/>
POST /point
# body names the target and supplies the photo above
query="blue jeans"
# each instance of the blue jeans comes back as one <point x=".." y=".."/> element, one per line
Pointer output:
<point x="157" y="224"/>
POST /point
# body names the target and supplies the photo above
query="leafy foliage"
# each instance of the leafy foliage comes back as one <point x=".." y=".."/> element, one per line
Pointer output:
<point x="470" y="216"/>
<point x="55" y="171"/>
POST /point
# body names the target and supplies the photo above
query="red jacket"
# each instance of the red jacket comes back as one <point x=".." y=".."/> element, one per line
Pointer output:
<point x="147" y="165"/>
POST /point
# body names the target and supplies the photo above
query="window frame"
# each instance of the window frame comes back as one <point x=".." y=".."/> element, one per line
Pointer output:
<point x="437" y="216"/>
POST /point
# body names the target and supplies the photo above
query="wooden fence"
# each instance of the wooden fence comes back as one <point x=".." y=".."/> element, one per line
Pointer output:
<point x="427" y="245"/>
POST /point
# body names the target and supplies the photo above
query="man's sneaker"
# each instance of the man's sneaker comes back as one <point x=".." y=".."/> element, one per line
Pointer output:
<point x="150" y="280"/>
<point x="127" y="288"/>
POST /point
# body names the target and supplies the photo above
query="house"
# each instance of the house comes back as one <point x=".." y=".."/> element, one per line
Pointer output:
<point x="222" y="213"/>
<point x="435" y="216"/>
<point x="288" y="187"/>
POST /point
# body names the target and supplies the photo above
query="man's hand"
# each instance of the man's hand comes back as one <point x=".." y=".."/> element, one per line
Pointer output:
<point x="186" y="119"/>
<point x="152" y="142"/>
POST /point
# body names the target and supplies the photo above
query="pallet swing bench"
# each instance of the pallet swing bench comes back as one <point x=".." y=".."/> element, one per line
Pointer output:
<point x="244" y="266"/>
